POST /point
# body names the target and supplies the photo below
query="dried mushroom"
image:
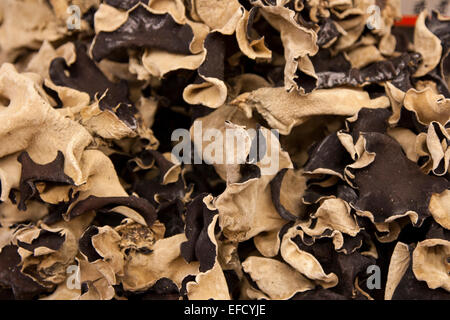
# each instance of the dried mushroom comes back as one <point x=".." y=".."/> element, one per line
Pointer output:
<point x="197" y="149"/>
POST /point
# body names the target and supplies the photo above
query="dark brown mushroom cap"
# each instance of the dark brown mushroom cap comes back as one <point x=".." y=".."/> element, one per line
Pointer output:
<point x="84" y="75"/>
<point x="393" y="185"/>
<point x="199" y="245"/>
<point x="144" y="29"/>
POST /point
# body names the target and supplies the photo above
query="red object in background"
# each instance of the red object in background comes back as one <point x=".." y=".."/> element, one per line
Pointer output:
<point x="407" y="21"/>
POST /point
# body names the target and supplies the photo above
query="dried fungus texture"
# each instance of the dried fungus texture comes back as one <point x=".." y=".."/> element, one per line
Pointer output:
<point x="352" y="121"/>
